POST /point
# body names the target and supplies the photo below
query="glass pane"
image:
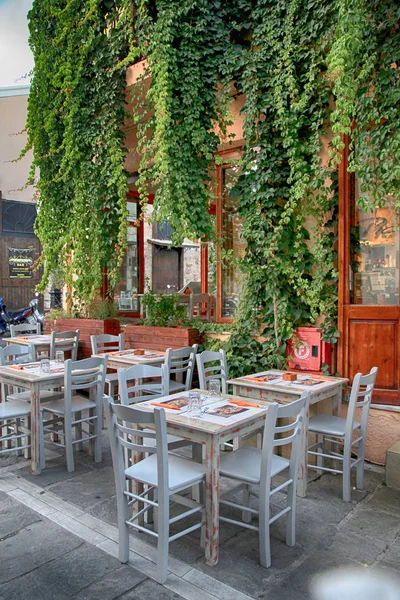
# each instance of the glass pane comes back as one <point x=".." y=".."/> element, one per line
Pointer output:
<point x="125" y="293"/>
<point x="233" y="245"/>
<point x="375" y="257"/>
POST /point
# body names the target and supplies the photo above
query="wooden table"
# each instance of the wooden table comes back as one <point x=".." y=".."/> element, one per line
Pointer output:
<point x="35" y="381"/>
<point x="127" y="359"/>
<point x="211" y="432"/>
<point x="277" y="390"/>
<point x="41" y="343"/>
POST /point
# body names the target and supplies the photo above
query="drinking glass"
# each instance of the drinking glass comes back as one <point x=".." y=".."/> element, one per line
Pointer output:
<point x="60" y="356"/>
<point x="214" y="389"/>
<point x="194" y="404"/>
<point x="45" y="365"/>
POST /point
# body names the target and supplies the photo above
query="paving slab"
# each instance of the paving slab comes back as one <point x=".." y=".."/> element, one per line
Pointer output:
<point x="386" y="499"/>
<point x="87" y="489"/>
<point x="373" y="524"/>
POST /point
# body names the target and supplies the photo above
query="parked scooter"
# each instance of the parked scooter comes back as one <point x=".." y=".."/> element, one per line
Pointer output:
<point x="37" y="316"/>
<point x="31" y="314"/>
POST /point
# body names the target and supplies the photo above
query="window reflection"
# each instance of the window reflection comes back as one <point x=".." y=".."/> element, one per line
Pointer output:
<point x="375" y="257"/>
<point x="233" y="245"/>
<point x="125" y="293"/>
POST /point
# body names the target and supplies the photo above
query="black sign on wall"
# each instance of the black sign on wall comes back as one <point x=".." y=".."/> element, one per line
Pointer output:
<point x="20" y="263"/>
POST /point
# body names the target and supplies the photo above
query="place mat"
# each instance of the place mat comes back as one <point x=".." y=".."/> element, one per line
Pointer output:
<point x="35" y="368"/>
<point x="173" y="404"/>
<point x="225" y="411"/>
<point x="262" y="378"/>
<point x="31" y="338"/>
<point x="132" y="353"/>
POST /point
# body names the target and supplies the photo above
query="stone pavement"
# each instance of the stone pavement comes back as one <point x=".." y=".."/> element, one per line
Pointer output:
<point x="58" y="539"/>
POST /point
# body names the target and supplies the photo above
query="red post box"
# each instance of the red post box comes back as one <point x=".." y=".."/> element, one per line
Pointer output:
<point x="308" y="352"/>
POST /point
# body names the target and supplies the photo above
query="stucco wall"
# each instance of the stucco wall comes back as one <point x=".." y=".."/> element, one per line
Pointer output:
<point x="382" y="433"/>
<point x="13" y="175"/>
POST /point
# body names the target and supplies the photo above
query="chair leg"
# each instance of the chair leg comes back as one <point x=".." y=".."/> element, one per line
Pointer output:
<point x="41" y="443"/>
<point x="360" y="465"/>
<point x="97" y="429"/>
<point x="123" y="528"/>
<point x="69" y="453"/>
<point x="291" y="516"/>
<point x="320" y="449"/>
<point x="263" y="531"/>
<point x="163" y="540"/>
<point x="346" y="475"/>
<point x="246" y="514"/>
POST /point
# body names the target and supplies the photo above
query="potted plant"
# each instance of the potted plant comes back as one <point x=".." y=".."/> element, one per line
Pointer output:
<point x="164" y="326"/>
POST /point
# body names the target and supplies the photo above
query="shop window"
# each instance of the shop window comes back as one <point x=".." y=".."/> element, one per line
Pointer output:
<point x="374" y="245"/>
<point x="127" y="289"/>
<point x="18" y="218"/>
<point x="221" y="261"/>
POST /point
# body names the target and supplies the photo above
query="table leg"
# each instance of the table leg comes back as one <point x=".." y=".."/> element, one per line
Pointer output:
<point x="302" y="472"/>
<point x="35" y="429"/>
<point x="212" y="500"/>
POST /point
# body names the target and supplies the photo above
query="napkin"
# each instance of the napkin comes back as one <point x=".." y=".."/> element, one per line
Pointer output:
<point x="243" y="403"/>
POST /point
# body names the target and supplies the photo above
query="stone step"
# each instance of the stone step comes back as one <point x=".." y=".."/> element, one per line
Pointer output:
<point x="393" y="466"/>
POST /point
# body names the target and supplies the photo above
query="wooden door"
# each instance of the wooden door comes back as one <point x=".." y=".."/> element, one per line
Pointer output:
<point x="369" y="310"/>
<point x="167" y="269"/>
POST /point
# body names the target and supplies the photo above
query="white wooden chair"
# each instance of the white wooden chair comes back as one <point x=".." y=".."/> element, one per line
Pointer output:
<point x="252" y="466"/>
<point x="181" y="365"/>
<point x="67" y="341"/>
<point x="212" y="365"/>
<point x="102" y="344"/>
<point x="88" y="376"/>
<point x="163" y="477"/>
<point x="15" y="432"/>
<point x="142" y="382"/>
<point x="202" y="306"/>
<point x="13" y="354"/>
<point x="146" y="382"/>
<point x="25" y="329"/>
<point x="349" y="434"/>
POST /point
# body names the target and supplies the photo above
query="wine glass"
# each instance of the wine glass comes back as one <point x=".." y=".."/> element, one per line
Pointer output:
<point x="214" y="389"/>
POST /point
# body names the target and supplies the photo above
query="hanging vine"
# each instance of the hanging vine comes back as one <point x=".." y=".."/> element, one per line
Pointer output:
<point x="75" y="113"/>
<point x="364" y="64"/>
<point x="288" y="195"/>
<point x="184" y="43"/>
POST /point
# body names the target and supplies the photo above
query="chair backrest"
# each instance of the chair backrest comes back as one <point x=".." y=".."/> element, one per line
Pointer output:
<point x="25" y="328"/>
<point x="101" y="344"/>
<point x="286" y="433"/>
<point x="360" y="397"/>
<point x="184" y="299"/>
<point x="142" y="382"/>
<point x="67" y="341"/>
<point x="87" y="374"/>
<point x="181" y="362"/>
<point x="128" y="431"/>
<point x="212" y="365"/>
<point x="13" y="354"/>
<point x="201" y="306"/>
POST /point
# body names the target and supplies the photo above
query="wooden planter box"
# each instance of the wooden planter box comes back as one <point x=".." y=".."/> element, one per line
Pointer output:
<point x="160" y="338"/>
<point x="87" y="327"/>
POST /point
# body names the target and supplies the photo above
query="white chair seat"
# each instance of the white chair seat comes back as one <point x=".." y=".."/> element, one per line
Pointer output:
<point x="8" y="410"/>
<point x="330" y="425"/>
<point x="26" y="396"/>
<point x="175" y="386"/>
<point x="171" y="439"/>
<point x="111" y="377"/>
<point x="78" y="404"/>
<point x="245" y="464"/>
<point x="181" y="472"/>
